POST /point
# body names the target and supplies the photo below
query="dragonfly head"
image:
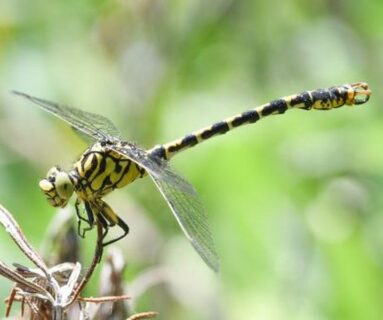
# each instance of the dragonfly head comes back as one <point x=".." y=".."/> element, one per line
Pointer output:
<point x="57" y="187"/>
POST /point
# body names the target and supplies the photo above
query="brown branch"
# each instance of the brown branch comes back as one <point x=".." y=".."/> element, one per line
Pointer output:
<point x="9" y="301"/>
<point x="143" y="315"/>
<point x="96" y="259"/>
<point x="104" y="299"/>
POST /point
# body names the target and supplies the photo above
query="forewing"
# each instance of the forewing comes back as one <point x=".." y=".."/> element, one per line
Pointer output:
<point x="93" y="125"/>
<point x="182" y="200"/>
<point x="84" y="136"/>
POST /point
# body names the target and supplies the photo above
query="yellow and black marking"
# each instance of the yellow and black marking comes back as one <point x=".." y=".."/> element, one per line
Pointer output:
<point x="112" y="163"/>
<point x="101" y="170"/>
<point x="104" y="214"/>
<point x="320" y="99"/>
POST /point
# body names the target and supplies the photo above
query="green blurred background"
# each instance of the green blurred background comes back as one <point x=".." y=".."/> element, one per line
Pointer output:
<point x="294" y="201"/>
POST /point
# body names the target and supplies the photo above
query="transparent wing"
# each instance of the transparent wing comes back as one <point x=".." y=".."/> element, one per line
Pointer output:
<point x="182" y="200"/>
<point x="178" y="193"/>
<point x="84" y="137"/>
<point x="91" y="124"/>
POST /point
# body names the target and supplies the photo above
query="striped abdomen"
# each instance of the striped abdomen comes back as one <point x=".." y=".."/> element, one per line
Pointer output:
<point x="321" y="99"/>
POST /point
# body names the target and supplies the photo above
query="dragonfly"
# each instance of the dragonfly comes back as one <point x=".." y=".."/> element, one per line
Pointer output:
<point x="110" y="162"/>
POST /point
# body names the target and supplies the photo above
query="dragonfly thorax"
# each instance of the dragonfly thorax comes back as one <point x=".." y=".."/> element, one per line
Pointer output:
<point x="57" y="187"/>
<point x="100" y="170"/>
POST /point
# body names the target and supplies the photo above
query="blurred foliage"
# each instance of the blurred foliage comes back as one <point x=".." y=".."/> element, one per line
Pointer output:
<point x="294" y="201"/>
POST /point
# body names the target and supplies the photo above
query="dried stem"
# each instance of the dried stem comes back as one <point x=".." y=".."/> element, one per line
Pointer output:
<point x="143" y="315"/>
<point x="104" y="299"/>
<point x="96" y="259"/>
<point x="9" y="301"/>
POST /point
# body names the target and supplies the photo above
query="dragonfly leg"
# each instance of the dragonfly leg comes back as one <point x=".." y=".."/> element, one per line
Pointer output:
<point x="108" y="218"/>
<point x="125" y="229"/>
<point x="79" y="217"/>
<point x="89" y="220"/>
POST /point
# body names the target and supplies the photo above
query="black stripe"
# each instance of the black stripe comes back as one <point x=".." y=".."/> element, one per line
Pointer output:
<point x="279" y="106"/>
<point x="217" y="128"/>
<point x="102" y="167"/>
<point x="304" y="98"/>
<point x="307" y="100"/>
<point x="93" y="165"/>
<point x="296" y="100"/>
<point x="321" y="95"/>
<point x="189" y="140"/>
<point x="118" y="167"/>
<point x="174" y="148"/>
<point x="249" y="116"/>
<point x="338" y="94"/>
<point x="126" y="171"/>
<point x="105" y="183"/>
<point x="82" y="164"/>
<point x="159" y="152"/>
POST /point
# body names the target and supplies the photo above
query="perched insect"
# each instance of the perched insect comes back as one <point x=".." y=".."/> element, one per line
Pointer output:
<point x="111" y="163"/>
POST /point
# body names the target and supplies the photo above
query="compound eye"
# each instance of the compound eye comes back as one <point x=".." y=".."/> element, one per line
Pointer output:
<point x="46" y="186"/>
<point x="64" y="186"/>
